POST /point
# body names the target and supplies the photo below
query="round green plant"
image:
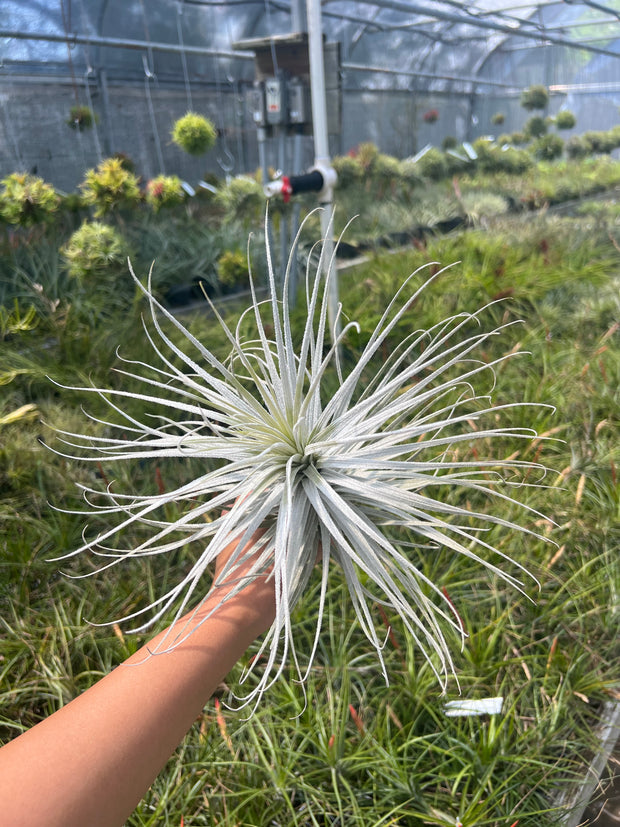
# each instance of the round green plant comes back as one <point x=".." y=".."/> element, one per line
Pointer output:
<point x="386" y="168"/>
<point x="518" y="138"/>
<point x="347" y="169"/>
<point x="93" y="250"/>
<point x="164" y="191"/>
<point x="433" y="164"/>
<point x="578" y="147"/>
<point x="548" y="147"/>
<point x="110" y="186"/>
<point x="536" y="97"/>
<point x="194" y="134"/>
<point x="498" y="118"/>
<point x="27" y="199"/>
<point x="565" y="119"/>
<point x="536" y="126"/>
<point x="81" y="118"/>
<point x="241" y="198"/>
<point x="232" y="269"/>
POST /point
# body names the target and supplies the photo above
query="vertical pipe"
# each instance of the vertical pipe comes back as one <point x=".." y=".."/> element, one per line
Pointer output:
<point x="284" y="239"/>
<point x="321" y="153"/>
<point x="102" y="83"/>
<point x="292" y="284"/>
<point x="299" y="22"/>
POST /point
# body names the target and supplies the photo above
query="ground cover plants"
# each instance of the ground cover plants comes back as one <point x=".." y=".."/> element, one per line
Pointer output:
<point x="351" y="751"/>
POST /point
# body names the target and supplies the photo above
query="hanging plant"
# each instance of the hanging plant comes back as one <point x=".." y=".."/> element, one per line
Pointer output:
<point x="536" y="97"/>
<point x="536" y="126"/>
<point x="110" y="187"/>
<point x="164" y="191"/>
<point x="431" y="116"/>
<point x="498" y="118"/>
<point x="345" y="473"/>
<point x="194" y="134"/>
<point x="94" y="250"/>
<point x="27" y="200"/>
<point x="81" y="118"/>
<point x="565" y="119"/>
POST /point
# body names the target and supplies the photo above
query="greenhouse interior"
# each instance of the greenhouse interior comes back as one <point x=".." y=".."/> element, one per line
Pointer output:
<point x="309" y="413"/>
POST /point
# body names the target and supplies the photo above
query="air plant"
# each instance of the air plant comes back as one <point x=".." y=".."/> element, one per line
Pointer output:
<point x="353" y="475"/>
<point x="111" y="186"/>
<point x="165" y="191"/>
<point x="194" y="133"/>
<point x="27" y="200"/>
<point x="93" y="250"/>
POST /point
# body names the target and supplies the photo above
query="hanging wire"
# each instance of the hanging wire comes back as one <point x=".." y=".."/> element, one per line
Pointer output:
<point x="8" y="129"/>
<point x="90" y="71"/>
<point x="149" y="75"/>
<point x="225" y="159"/>
<point x="188" y="90"/>
<point x="274" y="57"/>
<point x="66" y="22"/>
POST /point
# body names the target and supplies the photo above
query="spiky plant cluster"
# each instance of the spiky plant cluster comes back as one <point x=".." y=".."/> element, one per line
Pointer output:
<point x="535" y="97"/>
<point x="81" y="118"/>
<point x="194" y="133"/>
<point x="357" y="472"/>
<point x="110" y="186"/>
<point x="164" y="191"/>
<point x="93" y="249"/>
<point x="26" y="199"/>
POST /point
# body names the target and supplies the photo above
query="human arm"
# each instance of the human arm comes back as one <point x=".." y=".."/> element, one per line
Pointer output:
<point x="92" y="761"/>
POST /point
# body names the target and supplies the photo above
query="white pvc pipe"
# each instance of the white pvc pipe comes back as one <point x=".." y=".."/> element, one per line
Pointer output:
<point x="321" y="153"/>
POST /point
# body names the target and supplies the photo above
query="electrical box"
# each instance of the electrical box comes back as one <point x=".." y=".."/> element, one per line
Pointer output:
<point x="275" y="102"/>
<point x="256" y="104"/>
<point x="299" y="104"/>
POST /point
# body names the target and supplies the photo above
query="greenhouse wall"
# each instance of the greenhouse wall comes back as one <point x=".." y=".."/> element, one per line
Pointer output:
<point x="586" y="84"/>
<point x="393" y="120"/>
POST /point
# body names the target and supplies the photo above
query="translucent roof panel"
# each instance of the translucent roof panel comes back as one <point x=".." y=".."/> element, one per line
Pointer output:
<point x="385" y="43"/>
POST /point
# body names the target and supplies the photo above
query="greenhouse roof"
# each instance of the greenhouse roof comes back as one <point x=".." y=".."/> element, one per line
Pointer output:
<point x="384" y="43"/>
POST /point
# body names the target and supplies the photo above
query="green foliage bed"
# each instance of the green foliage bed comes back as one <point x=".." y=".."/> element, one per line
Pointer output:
<point x="354" y="752"/>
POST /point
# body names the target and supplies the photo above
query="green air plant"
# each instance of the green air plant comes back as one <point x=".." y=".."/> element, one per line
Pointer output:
<point x="548" y="147"/>
<point x="110" y="186"/>
<point x="536" y="126"/>
<point x="81" y="118"/>
<point x="164" y="191"/>
<point x="334" y="465"/>
<point x="535" y="97"/>
<point x="93" y="250"/>
<point x="565" y="119"/>
<point x="27" y="200"/>
<point x="233" y="269"/>
<point x="194" y="134"/>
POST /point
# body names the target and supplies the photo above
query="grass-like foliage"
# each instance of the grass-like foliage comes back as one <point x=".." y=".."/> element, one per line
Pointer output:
<point x="334" y="463"/>
<point x="343" y="749"/>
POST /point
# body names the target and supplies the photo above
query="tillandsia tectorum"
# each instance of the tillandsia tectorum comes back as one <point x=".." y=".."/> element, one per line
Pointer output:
<point x="354" y="476"/>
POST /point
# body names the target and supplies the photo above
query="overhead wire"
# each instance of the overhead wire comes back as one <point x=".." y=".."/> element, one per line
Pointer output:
<point x="148" y="65"/>
<point x="90" y="71"/>
<point x="188" y="89"/>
